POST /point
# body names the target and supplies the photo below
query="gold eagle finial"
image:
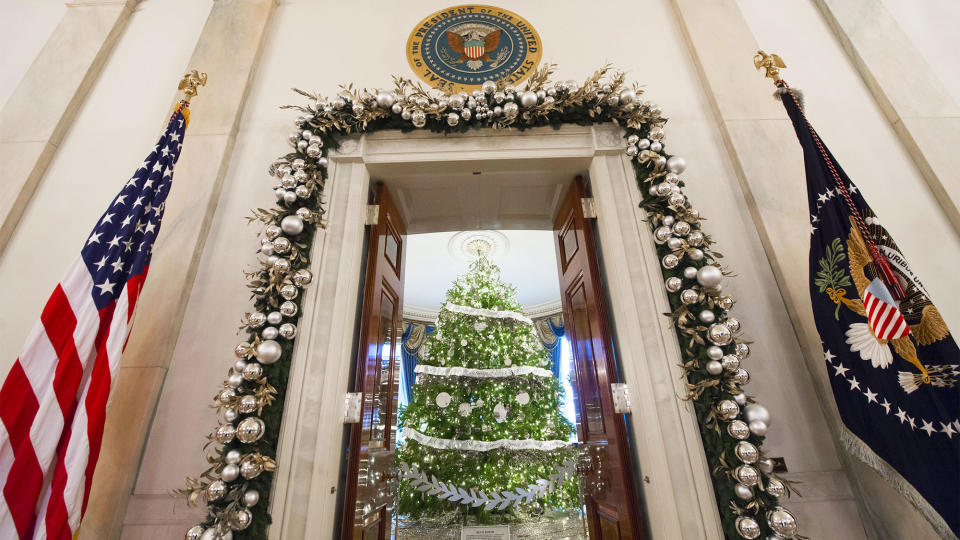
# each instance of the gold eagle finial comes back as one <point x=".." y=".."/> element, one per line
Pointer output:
<point x="772" y="63"/>
<point x="190" y="82"/>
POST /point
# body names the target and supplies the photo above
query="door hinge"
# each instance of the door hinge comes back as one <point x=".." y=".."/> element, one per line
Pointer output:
<point x="373" y="214"/>
<point x="621" y="397"/>
<point x="352" y="407"/>
<point x="589" y="207"/>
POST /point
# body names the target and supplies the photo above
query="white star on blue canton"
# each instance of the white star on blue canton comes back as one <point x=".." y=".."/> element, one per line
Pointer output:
<point x="94" y="238"/>
<point x="121" y="200"/>
<point x="150" y="227"/>
<point x="115" y="242"/>
<point x="901" y="414"/>
<point x="928" y="427"/>
<point x="117" y="265"/>
<point x="871" y="396"/>
<point x="947" y="430"/>
<point x="99" y="264"/>
<point x="828" y="356"/>
<point x="108" y="218"/>
<point x="886" y="405"/>
<point x="126" y="221"/>
<point x="853" y="383"/>
<point x="174" y="136"/>
<point x="841" y="371"/>
<point x="127" y="245"/>
<point x="138" y="202"/>
<point x="106" y="287"/>
<point x="157" y="166"/>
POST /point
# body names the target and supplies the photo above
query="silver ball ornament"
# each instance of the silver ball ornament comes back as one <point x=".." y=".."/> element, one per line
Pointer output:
<point x="657" y="134"/>
<point x="743" y="492"/>
<point x="215" y="490"/>
<point x="696" y="255"/>
<point x="194" y="533"/>
<point x="397" y="108"/>
<point x="256" y="319"/>
<point x="676" y="164"/>
<point x="747" y="452"/>
<point x="288" y="331"/>
<point x="289" y="291"/>
<point x="656" y="146"/>
<point x="709" y="276"/>
<point x="695" y="238"/>
<point x="670" y="261"/>
<point x="714" y="367"/>
<point x="632" y="139"/>
<point x="731" y="362"/>
<point x="251" y="469"/>
<point x="230" y="472"/>
<point x="274" y="317"/>
<point x="631" y="151"/>
<point x="726" y="409"/>
<point x="288" y="309"/>
<point x="776" y="487"/>
<point x="719" y="334"/>
<point x="292" y="225"/>
<point x="281" y="265"/>
<point x="674" y="243"/>
<point x="758" y="428"/>
<point x="668" y="220"/>
<point x="689" y="296"/>
<point x="302" y="277"/>
<point x="747" y="475"/>
<point x="405" y="114"/>
<point x="453" y="119"/>
<point x="725" y="302"/>
<point x="250" y="429"/>
<point x="290" y="196"/>
<point x="673" y="284"/>
<point x="765" y="465"/>
<point x="528" y="99"/>
<point x="732" y="324"/>
<point x="690" y="272"/>
<point x="248" y="404"/>
<point x="419" y="118"/>
<point x="488" y="87"/>
<point x="782" y="522"/>
<point x="738" y="429"/>
<point x="232" y="456"/>
<point x="251" y="497"/>
<point x="225" y="433"/>
<point x="269" y="332"/>
<point x="743" y="350"/>
<point x="662" y="234"/>
<point x="741" y="376"/>
<point x="541" y="94"/>
<point x="281" y="244"/>
<point x="714" y="352"/>
<point x="241" y="350"/>
<point x="707" y="316"/>
<point x="757" y="412"/>
<point x="741" y="399"/>
<point x="643" y="144"/>
<point x="302" y="192"/>
<point x="677" y="200"/>
<point x="748" y="527"/>
<point x="239" y="365"/>
<point x="266" y="246"/>
<point x="664" y="189"/>
<point x="627" y="97"/>
<point x="510" y="109"/>
<point x="234" y="380"/>
<point x="681" y="228"/>
<point x="288" y="182"/>
<point x="313" y="150"/>
<point x="385" y="99"/>
<point x="241" y="520"/>
<point x="269" y="351"/>
<point x="253" y="371"/>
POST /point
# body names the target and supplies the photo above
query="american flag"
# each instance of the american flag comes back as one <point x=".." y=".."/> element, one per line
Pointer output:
<point x="53" y="402"/>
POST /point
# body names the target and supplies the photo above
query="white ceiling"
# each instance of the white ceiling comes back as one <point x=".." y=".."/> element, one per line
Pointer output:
<point x="529" y="263"/>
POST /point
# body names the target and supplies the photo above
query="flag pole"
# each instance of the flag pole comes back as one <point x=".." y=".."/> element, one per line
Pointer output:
<point x="772" y="64"/>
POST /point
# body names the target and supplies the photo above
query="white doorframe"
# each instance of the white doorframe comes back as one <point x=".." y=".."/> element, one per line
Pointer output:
<point x="676" y="488"/>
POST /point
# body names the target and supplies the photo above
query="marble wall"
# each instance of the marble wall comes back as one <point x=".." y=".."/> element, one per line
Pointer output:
<point x="694" y="58"/>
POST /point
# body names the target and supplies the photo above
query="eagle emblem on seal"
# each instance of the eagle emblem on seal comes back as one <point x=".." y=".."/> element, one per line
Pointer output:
<point x="475" y="43"/>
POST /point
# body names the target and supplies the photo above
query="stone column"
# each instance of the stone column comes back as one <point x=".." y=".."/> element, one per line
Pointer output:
<point x="45" y="102"/>
<point x="915" y="102"/>
<point x="763" y="149"/>
<point x="228" y="50"/>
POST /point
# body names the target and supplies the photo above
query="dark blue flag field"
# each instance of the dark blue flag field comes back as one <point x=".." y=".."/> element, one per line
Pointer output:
<point x="892" y="362"/>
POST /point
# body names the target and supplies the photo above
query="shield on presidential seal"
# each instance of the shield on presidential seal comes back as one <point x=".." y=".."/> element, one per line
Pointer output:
<point x="473" y="49"/>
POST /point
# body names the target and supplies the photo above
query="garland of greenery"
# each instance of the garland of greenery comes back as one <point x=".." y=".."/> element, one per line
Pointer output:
<point x="241" y="449"/>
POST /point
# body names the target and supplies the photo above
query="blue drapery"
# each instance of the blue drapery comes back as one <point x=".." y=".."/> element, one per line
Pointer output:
<point x="550" y="330"/>
<point x="414" y="336"/>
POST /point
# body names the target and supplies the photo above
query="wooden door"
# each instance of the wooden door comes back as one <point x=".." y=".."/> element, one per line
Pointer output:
<point x="608" y="481"/>
<point x="370" y="481"/>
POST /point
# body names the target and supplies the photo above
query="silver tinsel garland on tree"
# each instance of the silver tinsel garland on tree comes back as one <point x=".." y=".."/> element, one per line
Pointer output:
<point x="732" y="425"/>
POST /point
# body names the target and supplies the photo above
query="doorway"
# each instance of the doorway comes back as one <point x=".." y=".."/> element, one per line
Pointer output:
<point x="522" y="180"/>
<point x="589" y="481"/>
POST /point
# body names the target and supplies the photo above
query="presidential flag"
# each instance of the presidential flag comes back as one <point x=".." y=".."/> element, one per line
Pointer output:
<point x="53" y="401"/>
<point x="892" y="363"/>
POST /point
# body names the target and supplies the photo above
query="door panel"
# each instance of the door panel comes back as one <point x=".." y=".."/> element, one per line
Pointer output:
<point x="370" y="466"/>
<point x="609" y="493"/>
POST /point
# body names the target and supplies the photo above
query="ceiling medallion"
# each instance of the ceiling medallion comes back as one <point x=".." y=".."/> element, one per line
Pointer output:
<point x="468" y="245"/>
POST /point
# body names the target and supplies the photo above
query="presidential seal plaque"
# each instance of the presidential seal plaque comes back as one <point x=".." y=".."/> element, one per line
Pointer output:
<point x="458" y="48"/>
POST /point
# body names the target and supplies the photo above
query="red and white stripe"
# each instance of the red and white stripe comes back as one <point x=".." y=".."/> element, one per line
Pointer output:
<point x="53" y="407"/>
<point x="884" y="319"/>
<point x="473" y="52"/>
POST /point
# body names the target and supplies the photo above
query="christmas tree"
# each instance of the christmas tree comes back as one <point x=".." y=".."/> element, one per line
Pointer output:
<point x="484" y="436"/>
